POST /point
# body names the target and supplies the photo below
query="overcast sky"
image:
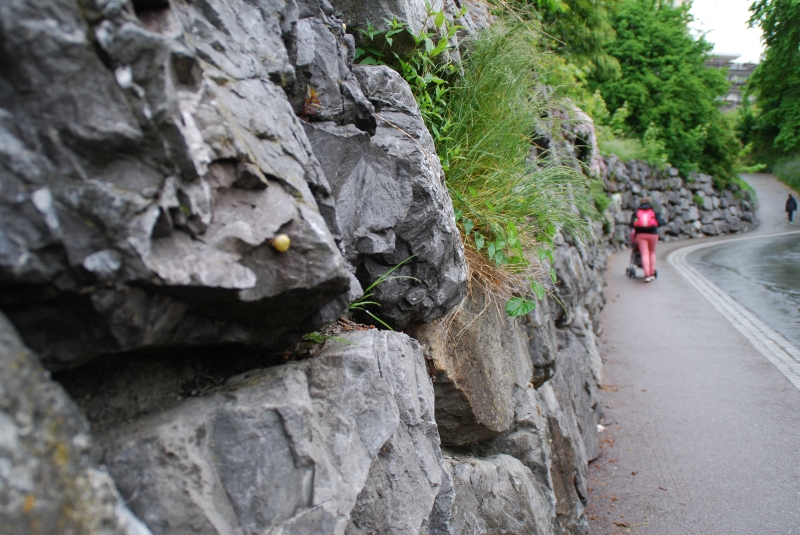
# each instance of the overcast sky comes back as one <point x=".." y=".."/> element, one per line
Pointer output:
<point x="725" y="22"/>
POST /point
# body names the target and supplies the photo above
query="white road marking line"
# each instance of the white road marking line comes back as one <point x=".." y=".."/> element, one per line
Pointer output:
<point x="777" y="349"/>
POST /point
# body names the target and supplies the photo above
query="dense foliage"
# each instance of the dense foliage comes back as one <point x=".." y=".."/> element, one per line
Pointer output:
<point x="666" y="90"/>
<point x="776" y="80"/>
<point x="578" y="30"/>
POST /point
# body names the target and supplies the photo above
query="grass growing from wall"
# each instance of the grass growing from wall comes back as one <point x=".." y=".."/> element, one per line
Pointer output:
<point x="483" y="115"/>
<point x="504" y="199"/>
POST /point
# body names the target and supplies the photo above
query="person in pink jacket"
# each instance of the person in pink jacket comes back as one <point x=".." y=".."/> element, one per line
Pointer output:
<point x="645" y="222"/>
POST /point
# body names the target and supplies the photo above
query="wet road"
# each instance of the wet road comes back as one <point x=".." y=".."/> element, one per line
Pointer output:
<point x="761" y="274"/>
<point x="702" y="425"/>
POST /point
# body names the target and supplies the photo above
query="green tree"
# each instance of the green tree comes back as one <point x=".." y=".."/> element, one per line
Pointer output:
<point x="668" y="87"/>
<point x="776" y="80"/>
<point x="578" y="31"/>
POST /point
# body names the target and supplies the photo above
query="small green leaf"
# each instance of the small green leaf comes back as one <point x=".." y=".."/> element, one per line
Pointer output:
<point x="517" y="306"/>
<point x="441" y="47"/>
<point x="439" y="20"/>
<point x="459" y="212"/>
<point x="511" y="230"/>
<point x="479" y="241"/>
<point x="541" y="253"/>
<point x="553" y="275"/>
<point x="491" y="249"/>
<point x="468" y="226"/>
<point x="538" y="289"/>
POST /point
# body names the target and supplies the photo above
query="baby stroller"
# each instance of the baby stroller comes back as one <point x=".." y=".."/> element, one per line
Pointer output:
<point x="636" y="262"/>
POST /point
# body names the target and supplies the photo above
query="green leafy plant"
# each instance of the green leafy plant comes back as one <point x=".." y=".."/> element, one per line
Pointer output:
<point x="698" y="200"/>
<point x="426" y="66"/>
<point x="744" y="186"/>
<point x="362" y="304"/>
<point x="316" y="338"/>
<point x="597" y="201"/>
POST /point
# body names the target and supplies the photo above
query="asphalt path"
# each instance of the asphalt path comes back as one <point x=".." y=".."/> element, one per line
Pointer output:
<point x="702" y="426"/>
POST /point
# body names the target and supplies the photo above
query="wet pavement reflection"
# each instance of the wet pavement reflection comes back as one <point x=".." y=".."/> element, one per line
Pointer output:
<point x="761" y="274"/>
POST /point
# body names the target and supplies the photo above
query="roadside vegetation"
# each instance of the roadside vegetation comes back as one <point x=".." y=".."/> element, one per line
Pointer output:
<point x="770" y="126"/>
<point x="670" y="94"/>
<point x="640" y="73"/>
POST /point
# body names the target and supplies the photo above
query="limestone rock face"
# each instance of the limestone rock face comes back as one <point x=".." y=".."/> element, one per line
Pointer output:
<point x="392" y="204"/>
<point x="483" y="363"/>
<point x="48" y="483"/>
<point x="526" y="389"/>
<point x="291" y="449"/>
<point x="406" y="476"/>
<point x="149" y="156"/>
<point x="190" y="187"/>
<point x="358" y="13"/>
<point x="496" y="494"/>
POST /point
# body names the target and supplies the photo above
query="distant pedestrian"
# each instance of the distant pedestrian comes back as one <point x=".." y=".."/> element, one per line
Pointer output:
<point x="645" y="222"/>
<point x="791" y="206"/>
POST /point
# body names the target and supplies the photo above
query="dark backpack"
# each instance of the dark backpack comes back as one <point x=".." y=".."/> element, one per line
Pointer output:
<point x="645" y="217"/>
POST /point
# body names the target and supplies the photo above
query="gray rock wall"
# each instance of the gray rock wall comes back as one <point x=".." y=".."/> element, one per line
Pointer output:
<point x="392" y="203"/>
<point x="153" y="154"/>
<point x="517" y="403"/>
<point x="148" y="157"/>
<point x="298" y="448"/>
<point x="48" y="481"/>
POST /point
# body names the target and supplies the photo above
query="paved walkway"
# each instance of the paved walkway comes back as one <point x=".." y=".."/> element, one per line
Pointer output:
<point x="702" y="429"/>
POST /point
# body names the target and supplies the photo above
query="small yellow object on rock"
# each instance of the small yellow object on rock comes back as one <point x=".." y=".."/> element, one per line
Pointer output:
<point x="281" y="243"/>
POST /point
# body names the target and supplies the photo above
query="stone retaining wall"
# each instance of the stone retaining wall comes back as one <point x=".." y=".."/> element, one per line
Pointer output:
<point x="691" y="206"/>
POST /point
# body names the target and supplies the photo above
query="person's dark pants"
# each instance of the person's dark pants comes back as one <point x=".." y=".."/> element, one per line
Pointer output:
<point x="791" y="216"/>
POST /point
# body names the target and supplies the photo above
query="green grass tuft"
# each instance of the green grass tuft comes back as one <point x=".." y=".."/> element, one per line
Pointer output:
<point x="503" y="198"/>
